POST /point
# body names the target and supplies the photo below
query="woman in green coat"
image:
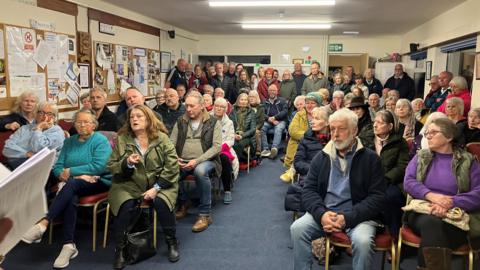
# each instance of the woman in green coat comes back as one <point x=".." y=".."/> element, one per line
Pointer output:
<point x="259" y="109"/>
<point x="144" y="166"/>
<point x="394" y="153"/>
<point x="244" y="122"/>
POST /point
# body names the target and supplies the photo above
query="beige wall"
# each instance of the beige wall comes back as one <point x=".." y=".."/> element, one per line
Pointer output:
<point x="457" y="22"/>
<point x="19" y="14"/>
<point x="274" y="45"/>
<point x="374" y="46"/>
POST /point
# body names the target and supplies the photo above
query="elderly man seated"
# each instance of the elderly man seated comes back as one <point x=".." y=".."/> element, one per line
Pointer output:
<point x="340" y="195"/>
<point x="31" y="138"/>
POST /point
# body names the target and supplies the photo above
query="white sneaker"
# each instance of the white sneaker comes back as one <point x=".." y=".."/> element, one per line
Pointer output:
<point x="69" y="251"/>
<point x="34" y="234"/>
<point x="265" y="153"/>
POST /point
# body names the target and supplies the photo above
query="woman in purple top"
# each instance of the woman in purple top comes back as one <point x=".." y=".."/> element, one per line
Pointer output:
<point x="444" y="189"/>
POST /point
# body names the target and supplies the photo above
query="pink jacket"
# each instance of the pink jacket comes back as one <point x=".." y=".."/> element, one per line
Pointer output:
<point x="464" y="95"/>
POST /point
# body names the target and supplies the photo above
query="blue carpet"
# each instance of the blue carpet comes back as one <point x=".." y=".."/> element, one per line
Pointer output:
<point x="251" y="233"/>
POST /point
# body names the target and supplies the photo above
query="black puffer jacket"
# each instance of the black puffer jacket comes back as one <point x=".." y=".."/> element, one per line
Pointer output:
<point x="308" y="147"/>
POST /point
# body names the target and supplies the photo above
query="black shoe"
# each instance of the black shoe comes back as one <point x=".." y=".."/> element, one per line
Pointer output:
<point x="120" y="261"/>
<point x="172" y="244"/>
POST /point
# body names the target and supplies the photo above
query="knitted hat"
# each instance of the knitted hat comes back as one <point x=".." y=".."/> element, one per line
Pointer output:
<point x="315" y="97"/>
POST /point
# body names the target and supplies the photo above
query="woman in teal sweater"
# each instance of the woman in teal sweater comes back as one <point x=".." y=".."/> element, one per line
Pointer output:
<point x="81" y="170"/>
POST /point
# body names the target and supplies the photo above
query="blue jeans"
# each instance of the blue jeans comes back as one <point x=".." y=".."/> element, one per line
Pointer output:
<point x="306" y="229"/>
<point x="277" y="134"/>
<point x="202" y="174"/>
<point x="65" y="202"/>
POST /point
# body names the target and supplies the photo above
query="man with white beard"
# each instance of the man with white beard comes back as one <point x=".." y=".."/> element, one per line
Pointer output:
<point x="341" y="195"/>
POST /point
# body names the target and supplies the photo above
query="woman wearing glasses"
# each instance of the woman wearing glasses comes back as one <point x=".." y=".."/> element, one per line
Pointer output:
<point x="447" y="177"/>
<point x="31" y="138"/>
<point x="81" y="166"/>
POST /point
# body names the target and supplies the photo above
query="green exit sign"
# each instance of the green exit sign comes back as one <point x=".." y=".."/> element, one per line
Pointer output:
<point x="335" y="47"/>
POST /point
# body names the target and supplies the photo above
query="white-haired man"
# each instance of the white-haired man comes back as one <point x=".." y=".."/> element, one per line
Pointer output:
<point x="340" y="195"/>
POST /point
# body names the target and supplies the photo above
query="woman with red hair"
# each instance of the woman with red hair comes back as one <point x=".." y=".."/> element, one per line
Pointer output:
<point x="265" y="82"/>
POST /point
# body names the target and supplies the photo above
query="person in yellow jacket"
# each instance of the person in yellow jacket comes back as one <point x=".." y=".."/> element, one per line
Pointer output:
<point x="299" y="125"/>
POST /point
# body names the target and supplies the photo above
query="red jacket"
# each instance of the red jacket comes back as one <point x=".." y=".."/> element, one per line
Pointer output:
<point x="262" y="88"/>
<point x="197" y="82"/>
<point x="464" y="95"/>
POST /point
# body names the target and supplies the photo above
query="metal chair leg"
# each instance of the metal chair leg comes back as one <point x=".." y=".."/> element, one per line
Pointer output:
<point x="399" y="250"/>
<point x="470" y="259"/>
<point x="154" y="228"/>
<point x="50" y="233"/>
<point x="327" y="253"/>
<point x="94" y="234"/>
<point x="394" y="256"/>
<point x="105" y="229"/>
<point x="248" y="159"/>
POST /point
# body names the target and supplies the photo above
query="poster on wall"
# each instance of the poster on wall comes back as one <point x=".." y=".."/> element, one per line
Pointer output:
<point x="20" y="62"/>
<point x="165" y="58"/>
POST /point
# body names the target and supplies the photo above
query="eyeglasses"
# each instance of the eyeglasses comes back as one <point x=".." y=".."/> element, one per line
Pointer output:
<point x="42" y="113"/>
<point x="432" y="133"/>
<point x="220" y="107"/>
<point x="82" y="123"/>
<point x="337" y="130"/>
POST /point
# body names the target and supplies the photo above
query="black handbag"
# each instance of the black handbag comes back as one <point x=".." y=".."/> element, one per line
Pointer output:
<point x="139" y="238"/>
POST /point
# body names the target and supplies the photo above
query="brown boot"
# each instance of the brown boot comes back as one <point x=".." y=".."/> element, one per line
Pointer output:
<point x="437" y="258"/>
<point x="202" y="223"/>
<point x="181" y="211"/>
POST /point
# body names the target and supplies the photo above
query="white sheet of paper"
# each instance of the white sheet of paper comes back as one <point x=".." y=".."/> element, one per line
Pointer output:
<point x="20" y="62"/>
<point x="124" y="85"/>
<point x="73" y="92"/>
<point x="3" y="92"/>
<point x="84" y="76"/>
<point x="26" y="182"/>
<point x="42" y="54"/>
<point x="2" y="46"/>
<point x="110" y="81"/>
<point x="37" y="84"/>
<point x="62" y="55"/>
<point x="18" y="85"/>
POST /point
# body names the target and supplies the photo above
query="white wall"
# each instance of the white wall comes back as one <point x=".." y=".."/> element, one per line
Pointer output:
<point x="457" y="22"/>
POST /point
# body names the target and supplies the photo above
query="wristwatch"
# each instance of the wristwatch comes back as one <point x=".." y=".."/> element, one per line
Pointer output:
<point x="157" y="187"/>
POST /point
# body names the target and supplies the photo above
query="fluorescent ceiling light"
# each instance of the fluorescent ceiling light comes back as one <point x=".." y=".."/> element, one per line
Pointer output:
<point x="272" y="3"/>
<point x="350" y="32"/>
<point x="286" y="26"/>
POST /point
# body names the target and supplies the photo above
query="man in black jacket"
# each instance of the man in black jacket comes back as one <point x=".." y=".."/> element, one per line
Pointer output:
<point x="276" y="112"/>
<point x="172" y="109"/>
<point x="401" y="82"/>
<point x="344" y="192"/>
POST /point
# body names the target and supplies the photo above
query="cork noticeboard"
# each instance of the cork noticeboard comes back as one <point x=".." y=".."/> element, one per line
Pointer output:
<point x="35" y="60"/>
<point x="118" y="66"/>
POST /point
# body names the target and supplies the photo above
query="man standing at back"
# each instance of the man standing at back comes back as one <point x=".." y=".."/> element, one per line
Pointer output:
<point x="225" y="82"/>
<point x="177" y="75"/>
<point x="197" y="137"/>
<point x="298" y="77"/>
<point x="315" y="81"/>
<point x="344" y="192"/>
<point x="401" y="82"/>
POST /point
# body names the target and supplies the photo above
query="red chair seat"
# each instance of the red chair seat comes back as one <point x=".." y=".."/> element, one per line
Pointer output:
<point x="382" y="240"/>
<point x="253" y="163"/>
<point x="409" y="236"/>
<point x="340" y="238"/>
<point x="243" y="166"/>
<point x="91" y="199"/>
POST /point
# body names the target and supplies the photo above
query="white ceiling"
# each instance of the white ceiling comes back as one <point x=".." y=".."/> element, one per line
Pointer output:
<point x="367" y="16"/>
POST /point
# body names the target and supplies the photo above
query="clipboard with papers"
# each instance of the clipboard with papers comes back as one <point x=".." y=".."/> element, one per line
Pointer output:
<point x="22" y="197"/>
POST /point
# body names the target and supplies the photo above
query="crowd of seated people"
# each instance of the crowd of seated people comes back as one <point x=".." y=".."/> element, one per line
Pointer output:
<point x="349" y="142"/>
